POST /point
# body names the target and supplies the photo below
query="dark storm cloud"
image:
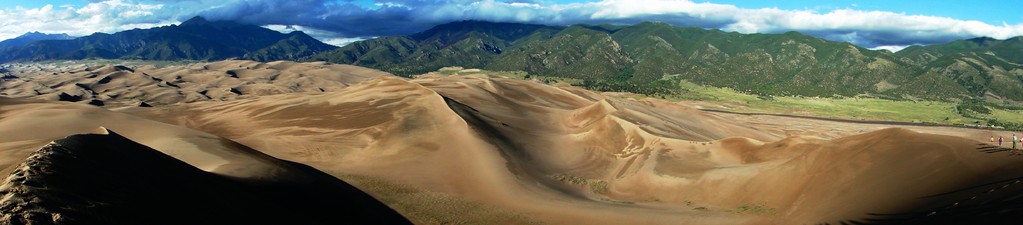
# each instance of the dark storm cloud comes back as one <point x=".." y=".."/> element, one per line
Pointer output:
<point x="408" y="16"/>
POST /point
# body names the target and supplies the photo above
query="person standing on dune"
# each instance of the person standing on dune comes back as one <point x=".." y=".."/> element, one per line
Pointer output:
<point x="1000" y="141"/>
<point x="1014" y="139"/>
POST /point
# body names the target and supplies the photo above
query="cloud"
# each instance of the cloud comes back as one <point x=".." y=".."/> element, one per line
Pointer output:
<point x="869" y="28"/>
<point x="891" y="48"/>
<point x="341" y="42"/>
<point x="104" y="16"/>
<point x="342" y="21"/>
<point x="328" y="37"/>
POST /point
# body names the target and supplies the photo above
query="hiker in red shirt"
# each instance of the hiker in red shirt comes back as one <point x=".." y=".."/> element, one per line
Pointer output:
<point x="999" y="141"/>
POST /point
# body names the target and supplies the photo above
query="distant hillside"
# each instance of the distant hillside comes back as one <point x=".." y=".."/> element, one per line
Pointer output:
<point x="30" y="37"/>
<point x="468" y="43"/>
<point x="983" y="66"/>
<point x="194" y="39"/>
<point x="766" y="64"/>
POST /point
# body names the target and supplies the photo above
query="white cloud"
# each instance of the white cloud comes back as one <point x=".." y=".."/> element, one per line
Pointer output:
<point x="329" y="37"/>
<point x="341" y="42"/>
<point x="391" y="4"/>
<point x="102" y="16"/>
<point x="891" y="48"/>
<point x="620" y="9"/>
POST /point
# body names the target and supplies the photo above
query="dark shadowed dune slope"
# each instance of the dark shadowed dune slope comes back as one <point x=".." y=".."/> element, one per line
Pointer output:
<point x="108" y="179"/>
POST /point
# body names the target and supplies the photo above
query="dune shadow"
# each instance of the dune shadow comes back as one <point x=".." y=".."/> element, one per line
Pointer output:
<point x="986" y="148"/>
<point x="997" y="202"/>
<point x="975" y="209"/>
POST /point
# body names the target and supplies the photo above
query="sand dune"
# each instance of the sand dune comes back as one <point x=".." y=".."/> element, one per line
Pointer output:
<point x="482" y="149"/>
<point x="565" y="156"/>
<point x="105" y="178"/>
<point x="648" y="154"/>
<point x="52" y="120"/>
<point x="220" y="173"/>
<point x="130" y="85"/>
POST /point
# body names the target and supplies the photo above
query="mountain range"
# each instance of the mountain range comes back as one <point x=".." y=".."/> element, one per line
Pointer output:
<point x="643" y="55"/>
<point x="194" y="39"/>
<point x="30" y="37"/>
<point x="766" y="64"/>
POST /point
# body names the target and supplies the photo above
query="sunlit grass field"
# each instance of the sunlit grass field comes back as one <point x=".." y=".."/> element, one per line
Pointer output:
<point x="860" y="107"/>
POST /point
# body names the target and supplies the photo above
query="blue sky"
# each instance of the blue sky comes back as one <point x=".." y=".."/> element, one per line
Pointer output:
<point x="868" y="23"/>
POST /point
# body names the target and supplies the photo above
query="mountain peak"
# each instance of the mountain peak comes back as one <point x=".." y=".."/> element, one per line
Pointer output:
<point x="301" y="35"/>
<point x="41" y="35"/>
<point x="32" y="33"/>
<point x="33" y="36"/>
<point x="792" y="32"/>
<point x="983" y="38"/>
<point x="983" y="41"/>
<point x="298" y="32"/>
<point x="195" y="21"/>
